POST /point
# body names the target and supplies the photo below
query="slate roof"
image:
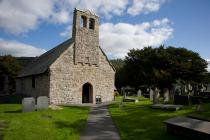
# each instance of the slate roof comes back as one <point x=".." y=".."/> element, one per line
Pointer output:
<point x="40" y="64"/>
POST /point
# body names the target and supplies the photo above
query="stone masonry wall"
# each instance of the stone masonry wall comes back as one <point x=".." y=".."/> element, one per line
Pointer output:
<point x="24" y="86"/>
<point x="67" y="79"/>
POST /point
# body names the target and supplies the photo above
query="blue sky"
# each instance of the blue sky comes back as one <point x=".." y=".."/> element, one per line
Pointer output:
<point x="29" y="28"/>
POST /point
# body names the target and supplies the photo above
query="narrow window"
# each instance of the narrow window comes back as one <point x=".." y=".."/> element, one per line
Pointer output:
<point x="91" y="23"/>
<point x="33" y="81"/>
<point x="83" y="21"/>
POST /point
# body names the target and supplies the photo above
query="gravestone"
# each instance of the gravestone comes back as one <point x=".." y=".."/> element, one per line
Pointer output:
<point x="130" y="100"/>
<point x="139" y="93"/>
<point x="151" y="92"/>
<point x="42" y="102"/>
<point x="156" y="96"/>
<point x="28" y="104"/>
<point x="165" y="95"/>
<point x="123" y="92"/>
<point x="167" y="107"/>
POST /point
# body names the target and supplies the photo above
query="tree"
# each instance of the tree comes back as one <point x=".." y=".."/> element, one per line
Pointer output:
<point x="161" y="67"/>
<point x="206" y="79"/>
<point x="119" y="75"/>
<point x="9" y="67"/>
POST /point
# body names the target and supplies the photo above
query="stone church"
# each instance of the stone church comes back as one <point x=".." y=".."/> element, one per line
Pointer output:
<point x="74" y="72"/>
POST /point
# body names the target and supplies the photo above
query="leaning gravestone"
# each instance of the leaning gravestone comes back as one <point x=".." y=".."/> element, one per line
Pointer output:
<point x="139" y="93"/>
<point x="151" y="94"/>
<point x="42" y="102"/>
<point x="156" y="96"/>
<point x="165" y="95"/>
<point x="28" y="104"/>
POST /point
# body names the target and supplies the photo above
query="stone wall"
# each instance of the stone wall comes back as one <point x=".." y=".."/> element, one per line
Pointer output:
<point x="24" y="86"/>
<point x="67" y="79"/>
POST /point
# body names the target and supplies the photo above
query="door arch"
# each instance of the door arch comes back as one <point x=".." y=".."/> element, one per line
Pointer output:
<point x="87" y="93"/>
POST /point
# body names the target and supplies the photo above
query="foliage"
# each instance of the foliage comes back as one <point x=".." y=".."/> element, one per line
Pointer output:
<point x="163" y="66"/>
<point x="9" y="67"/>
<point x="42" y="125"/>
<point x="23" y="61"/>
<point x="116" y="93"/>
<point x="120" y="73"/>
<point x="140" y="121"/>
<point x="206" y="78"/>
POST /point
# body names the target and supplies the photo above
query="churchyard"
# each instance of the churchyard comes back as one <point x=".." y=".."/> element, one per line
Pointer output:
<point x="132" y="119"/>
<point x="139" y="120"/>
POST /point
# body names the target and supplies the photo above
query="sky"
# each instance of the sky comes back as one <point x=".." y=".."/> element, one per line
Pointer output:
<point x="30" y="28"/>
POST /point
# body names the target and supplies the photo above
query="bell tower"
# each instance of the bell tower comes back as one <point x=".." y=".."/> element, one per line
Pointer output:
<point x="85" y="34"/>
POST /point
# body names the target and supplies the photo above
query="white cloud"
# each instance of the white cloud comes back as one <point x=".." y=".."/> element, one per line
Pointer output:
<point x="208" y="68"/>
<point x="19" y="49"/>
<point x="106" y="8"/>
<point x="60" y="17"/>
<point x="67" y="32"/>
<point x="19" y="16"/>
<point x="144" y="6"/>
<point x="118" y="39"/>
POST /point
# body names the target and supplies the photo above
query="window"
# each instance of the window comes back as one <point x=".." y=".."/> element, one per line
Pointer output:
<point x="33" y="81"/>
<point x="91" y="23"/>
<point x="83" y="21"/>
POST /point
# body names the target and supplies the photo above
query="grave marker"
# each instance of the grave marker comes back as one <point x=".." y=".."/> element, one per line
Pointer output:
<point x="28" y="104"/>
<point x="42" y="102"/>
<point x="165" y="95"/>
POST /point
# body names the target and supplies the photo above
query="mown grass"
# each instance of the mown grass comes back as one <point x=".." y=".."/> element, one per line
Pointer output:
<point x="62" y="124"/>
<point x="204" y="114"/>
<point x="137" y="121"/>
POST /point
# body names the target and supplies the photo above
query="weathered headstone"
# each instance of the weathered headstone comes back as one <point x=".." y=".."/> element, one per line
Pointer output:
<point x="151" y="92"/>
<point x="156" y="96"/>
<point x="123" y="92"/>
<point x="165" y="95"/>
<point x="28" y="104"/>
<point x="42" y="102"/>
<point x="139" y="93"/>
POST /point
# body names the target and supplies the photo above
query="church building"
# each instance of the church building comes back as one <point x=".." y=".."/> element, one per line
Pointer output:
<point x="74" y="72"/>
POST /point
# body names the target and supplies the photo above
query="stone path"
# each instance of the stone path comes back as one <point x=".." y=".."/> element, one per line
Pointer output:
<point x="99" y="125"/>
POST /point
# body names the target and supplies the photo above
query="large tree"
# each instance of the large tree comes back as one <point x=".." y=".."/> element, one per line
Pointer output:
<point x="9" y="67"/>
<point x="163" y="66"/>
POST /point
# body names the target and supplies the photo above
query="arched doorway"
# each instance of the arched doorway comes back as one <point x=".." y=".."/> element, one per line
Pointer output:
<point x="87" y="93"/>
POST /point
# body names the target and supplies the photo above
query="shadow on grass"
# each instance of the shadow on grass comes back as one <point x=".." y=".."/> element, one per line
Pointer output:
<point x="76" y="107"/>
<point x="142" y="122"/>
<point x="11" y="99"/>
<point x="75" y="127"/>
<point x="14" y="111"/>
<point x="3" y="125"/>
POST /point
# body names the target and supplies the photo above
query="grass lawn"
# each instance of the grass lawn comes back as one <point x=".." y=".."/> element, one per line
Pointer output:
<point x="65" y="124"/>
<point x="137" y="121"/>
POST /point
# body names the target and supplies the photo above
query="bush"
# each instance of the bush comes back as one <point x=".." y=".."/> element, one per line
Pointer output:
<point x="116" y="93"/>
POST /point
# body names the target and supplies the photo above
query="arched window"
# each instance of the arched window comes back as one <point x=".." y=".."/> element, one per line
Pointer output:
<point x="83" y="21"/>
<point x="91" y="23"/>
